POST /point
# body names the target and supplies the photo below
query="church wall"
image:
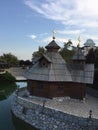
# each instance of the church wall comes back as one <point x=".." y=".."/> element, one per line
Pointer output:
<point x="56" y="89"/>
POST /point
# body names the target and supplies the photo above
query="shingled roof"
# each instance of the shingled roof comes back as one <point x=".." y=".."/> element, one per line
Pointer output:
<point x="58" y="70"/>
<point x="52" y="44"/>
<point x="89" y="42"/>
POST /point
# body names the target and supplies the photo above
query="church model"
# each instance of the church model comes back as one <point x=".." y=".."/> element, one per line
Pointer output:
<point x="51" y="76"/>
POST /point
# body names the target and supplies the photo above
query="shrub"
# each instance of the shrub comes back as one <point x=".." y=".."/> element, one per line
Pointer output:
<point x="95" y="85"/>
<point x="7" y="77"/>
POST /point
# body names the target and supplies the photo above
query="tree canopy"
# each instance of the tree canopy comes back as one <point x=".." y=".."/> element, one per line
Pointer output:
<point x="96" y="58"/>
<point x="90" y="58"/>
<point x="9" y="59"/>
<point x="39" y="53"/>
<point x="67" y="51"/>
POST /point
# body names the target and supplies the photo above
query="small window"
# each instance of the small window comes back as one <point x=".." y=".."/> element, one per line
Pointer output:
<point x="44" y="63"/>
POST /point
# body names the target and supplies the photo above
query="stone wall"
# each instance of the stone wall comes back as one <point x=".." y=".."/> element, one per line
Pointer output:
<point x="45" y="118"/>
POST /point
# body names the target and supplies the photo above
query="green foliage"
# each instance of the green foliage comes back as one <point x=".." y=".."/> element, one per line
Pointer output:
<point x="67" y="51"/>
<point x="95" y="85"/>
<point x="9" y="59"/>
<point x="96" y="58"/>
<point x="90" y="56"/>
<point x="7" y="77"/>
<point x="38" y="53"/>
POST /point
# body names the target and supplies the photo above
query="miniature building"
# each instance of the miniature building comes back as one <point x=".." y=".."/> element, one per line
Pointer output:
<point x="52" y="77"/>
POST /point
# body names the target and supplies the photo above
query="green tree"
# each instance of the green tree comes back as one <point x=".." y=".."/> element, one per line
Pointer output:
<point x="96" y="58"/>
<point x="67" y="51"/>
<point x="38" y="53"/>
<point x="95" y="84"/>
<point x="9" y="59"/>
<point x="90" y="58"/>
<point x="7" y="78"/>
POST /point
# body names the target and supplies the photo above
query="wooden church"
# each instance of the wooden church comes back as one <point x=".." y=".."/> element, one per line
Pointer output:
<point x="51" y="76"/>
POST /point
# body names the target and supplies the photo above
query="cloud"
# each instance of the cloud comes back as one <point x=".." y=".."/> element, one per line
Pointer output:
<point x="50" y="9"/>
<point x="95" y="37"/>
<point x="78" y="17"/>
<point x="71" y="31"/>
<point x="32" y="36"/>
<point x="73" y="12"/>
<point x="59" y="40"/>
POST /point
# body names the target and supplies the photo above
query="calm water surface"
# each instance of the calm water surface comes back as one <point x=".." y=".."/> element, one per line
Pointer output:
<point x="7" y="120"/>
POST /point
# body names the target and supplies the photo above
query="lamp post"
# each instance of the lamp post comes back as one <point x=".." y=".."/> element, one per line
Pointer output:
<point x="90" y="114"/>
<point x="44" y="101"/>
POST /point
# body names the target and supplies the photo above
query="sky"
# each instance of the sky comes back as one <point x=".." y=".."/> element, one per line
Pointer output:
<point x="27" y="24"/>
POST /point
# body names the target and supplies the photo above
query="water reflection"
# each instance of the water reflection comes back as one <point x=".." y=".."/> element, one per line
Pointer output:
<point x="6" y="90"/>
<point x="7" y="120"/>
<point x="21" y="84"/>
<point x="2" y="96"/>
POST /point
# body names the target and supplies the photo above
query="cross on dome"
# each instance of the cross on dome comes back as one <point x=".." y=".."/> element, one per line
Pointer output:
<point x="54" y="33"/>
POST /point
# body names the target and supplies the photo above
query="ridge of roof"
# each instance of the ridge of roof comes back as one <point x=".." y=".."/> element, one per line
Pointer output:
<point x="46" y="57"/>
<point x="52" y="44"/>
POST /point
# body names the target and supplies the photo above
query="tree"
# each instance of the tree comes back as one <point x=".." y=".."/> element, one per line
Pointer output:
<point x="21" y="62"/>
<point x="67" y="51"/>
<point x="28" y="63"/>
<point x="96" y="58"/>
<point x="90" y="58"/>
<point x="38" y="53"/>
<point x="95" y="84"/>
<point x="9" y="59"/>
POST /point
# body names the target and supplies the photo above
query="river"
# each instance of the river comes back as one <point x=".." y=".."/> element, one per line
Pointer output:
<point x="7" y="120"/>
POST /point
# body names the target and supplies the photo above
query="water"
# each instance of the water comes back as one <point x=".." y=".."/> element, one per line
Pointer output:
<point x="7" y="120"/>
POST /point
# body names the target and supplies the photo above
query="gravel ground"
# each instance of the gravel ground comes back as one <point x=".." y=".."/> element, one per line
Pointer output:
<point x="76" y="107"/>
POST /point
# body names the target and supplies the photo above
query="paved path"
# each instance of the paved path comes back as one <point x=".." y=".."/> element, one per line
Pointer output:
<point x="17" y="72"/>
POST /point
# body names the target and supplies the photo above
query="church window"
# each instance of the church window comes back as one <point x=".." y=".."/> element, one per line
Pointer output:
<point x="44" y="63"/>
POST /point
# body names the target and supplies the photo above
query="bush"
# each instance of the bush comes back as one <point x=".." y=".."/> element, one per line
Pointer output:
<point x="7" y="77"/>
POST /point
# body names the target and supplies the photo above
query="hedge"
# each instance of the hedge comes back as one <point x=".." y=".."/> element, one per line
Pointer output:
<point x="7" y="77"/>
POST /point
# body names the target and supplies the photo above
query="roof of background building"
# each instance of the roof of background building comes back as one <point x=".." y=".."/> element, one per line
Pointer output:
<point x="89" y="42"/>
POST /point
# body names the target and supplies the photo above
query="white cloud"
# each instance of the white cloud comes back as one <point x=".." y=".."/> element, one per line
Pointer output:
<point x="87" y="7"/>
<point x="78" y="17"/>
<point x="95" y="37"/>
<point x="47" y="39"/>
<point x="71" y="31"/>
<point x="61" y="40"/>
<point x="73" y="12"/>
<point x="32" y="36"/>
<point x="58" y="39"/>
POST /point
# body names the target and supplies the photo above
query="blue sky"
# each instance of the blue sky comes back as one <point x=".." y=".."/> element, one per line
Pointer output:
<point x="27" y="24"/>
